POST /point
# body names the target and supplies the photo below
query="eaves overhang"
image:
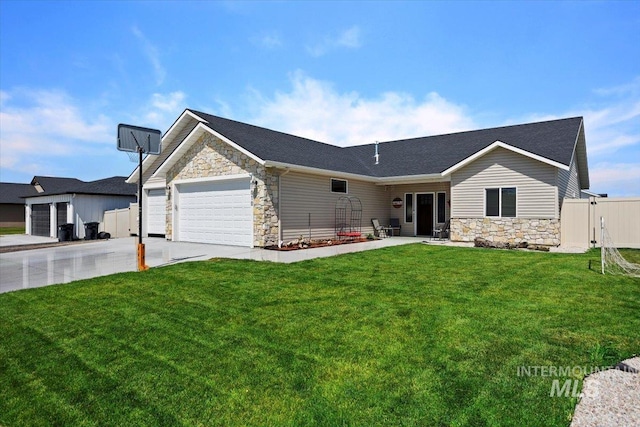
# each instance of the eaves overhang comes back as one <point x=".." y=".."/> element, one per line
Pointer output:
<point x="412" y="179"/>
<point x="318" y="171"/>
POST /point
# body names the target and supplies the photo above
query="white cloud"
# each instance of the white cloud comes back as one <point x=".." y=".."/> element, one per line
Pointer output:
<point x="633" y="87"/>
<point x="612" y="130"/>
<point x="315" y="110"/>
<point x="270" y="40"/>
<point x="351" y="38"/>
<point x="152" y="54"/>
<point x="4" y="97"/>
<point x="162" y="109"/>
<point x="616" y="179"/>
<point x="41" y="123"/>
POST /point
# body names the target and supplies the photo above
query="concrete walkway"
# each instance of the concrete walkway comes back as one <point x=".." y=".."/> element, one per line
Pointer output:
<point x="82" y="260"/>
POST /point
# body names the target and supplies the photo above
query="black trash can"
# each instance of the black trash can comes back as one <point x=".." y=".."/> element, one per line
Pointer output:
<point x="65" y="232"/>
<point x="91" y="231"/>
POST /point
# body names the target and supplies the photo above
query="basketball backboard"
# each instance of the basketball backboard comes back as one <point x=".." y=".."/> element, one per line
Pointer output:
<point x="131" y="137"/>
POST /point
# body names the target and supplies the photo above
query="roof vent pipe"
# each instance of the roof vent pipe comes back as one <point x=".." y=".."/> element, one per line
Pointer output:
<point x="377" y="156"/>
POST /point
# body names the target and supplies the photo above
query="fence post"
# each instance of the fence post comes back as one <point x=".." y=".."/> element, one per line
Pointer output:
<point x="602" y="248"/>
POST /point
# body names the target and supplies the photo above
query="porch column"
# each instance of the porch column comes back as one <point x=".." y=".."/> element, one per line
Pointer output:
<point x="27" y="218"/>
<point x="70" y="219"/>
<point x="52" y="220"/>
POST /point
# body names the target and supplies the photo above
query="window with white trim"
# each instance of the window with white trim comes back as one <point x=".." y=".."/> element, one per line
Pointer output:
<point x="500" y="202"/>
<point x="338" y="185"/>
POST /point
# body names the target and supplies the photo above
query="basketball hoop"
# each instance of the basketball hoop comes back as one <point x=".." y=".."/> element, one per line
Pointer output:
<point x="136" y="141"/>
<point x="133" y="157"/>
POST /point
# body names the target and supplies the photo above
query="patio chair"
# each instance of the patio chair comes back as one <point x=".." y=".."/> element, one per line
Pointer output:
<point x="378" y="229"/>
<point x="442" y="230"/>
<point x="394" y="224"/>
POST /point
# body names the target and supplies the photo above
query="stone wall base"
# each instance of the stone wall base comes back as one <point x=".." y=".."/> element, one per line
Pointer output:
<point x="507" y="230"/>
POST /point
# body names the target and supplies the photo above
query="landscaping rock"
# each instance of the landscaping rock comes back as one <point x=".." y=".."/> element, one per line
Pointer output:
<point x="479" y="242"/>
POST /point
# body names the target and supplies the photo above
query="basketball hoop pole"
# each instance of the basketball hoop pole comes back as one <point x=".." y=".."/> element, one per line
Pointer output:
<point x="151" y="144"/>
<point x="142" y="266"/>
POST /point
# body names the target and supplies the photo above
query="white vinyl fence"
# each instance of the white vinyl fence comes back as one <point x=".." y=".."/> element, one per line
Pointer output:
<point x="121" y="222"/>
<point x="580" y="221"/>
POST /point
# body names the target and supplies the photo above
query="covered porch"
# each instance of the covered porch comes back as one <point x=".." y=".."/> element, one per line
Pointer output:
<point x="422" y="208"/>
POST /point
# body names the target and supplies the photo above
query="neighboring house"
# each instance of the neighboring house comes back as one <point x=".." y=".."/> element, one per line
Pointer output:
<point x="12" y="203"/>
<point x="57" y="201"/>
<point x="225" y="182"/>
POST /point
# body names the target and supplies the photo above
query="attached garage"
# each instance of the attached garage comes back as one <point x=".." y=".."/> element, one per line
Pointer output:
<point x="157" y="211"/>
<point x="41" y="220"/>
<point x="216" y="212"/>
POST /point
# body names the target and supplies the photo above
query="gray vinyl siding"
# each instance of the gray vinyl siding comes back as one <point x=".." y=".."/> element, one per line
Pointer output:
<point x="304" y="194"/>
<point x="400" y="190"/>
<point x="535" y="182"/>
<point x="568" y="183"/>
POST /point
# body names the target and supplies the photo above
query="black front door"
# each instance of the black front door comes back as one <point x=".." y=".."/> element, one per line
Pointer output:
<point x="424" y="214"/>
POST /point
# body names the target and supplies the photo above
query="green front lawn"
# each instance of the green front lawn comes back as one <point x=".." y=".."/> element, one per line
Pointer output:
<point x="414" y="335"/>
<point x="11" y="230"/>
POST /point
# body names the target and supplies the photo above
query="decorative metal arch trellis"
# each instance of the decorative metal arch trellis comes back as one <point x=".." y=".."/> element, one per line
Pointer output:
<point x="348" y="222"/>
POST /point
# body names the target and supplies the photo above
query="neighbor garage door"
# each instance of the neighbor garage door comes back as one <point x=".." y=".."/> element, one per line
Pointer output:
<point x="217" y="212"/>
<point x="157" y="214"/>
<point x="40" y="220"/>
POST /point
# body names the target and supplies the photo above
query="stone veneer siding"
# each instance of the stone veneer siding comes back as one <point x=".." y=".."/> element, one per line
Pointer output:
<point x="507" y="230"/>
<point x="208" y="157"/>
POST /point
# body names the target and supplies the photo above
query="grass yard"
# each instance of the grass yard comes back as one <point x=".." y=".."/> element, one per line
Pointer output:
<point x="11" y="230"/>
<point x="413" y="335"/>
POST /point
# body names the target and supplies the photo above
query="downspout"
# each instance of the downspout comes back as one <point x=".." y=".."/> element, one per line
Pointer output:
<point x="279" y="205"/>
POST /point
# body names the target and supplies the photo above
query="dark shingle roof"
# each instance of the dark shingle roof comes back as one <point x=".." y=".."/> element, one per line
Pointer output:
<point x="554" y="140"/>
<point x="114" y="186"/>
<point x="285" y="148"/>
<point x="11" y="193"/>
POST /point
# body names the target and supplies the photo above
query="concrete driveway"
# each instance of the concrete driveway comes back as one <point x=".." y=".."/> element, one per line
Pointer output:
<point x="83" y="260"/>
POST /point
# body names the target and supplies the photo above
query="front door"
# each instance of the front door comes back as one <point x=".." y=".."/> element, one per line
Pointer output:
<point x="424" y="214"/>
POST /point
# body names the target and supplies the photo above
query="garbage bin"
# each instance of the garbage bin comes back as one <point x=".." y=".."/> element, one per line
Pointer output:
<point x="91" y="231"/>
<point x="65" y="232"/>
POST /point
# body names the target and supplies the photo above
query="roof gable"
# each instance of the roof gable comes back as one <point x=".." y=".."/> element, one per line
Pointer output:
<point x="500" y="144"/>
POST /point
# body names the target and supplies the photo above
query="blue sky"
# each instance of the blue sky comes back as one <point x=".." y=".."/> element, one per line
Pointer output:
<point x="340" y="72"/>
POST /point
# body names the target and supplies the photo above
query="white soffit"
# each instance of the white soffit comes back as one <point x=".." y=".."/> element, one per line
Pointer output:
<point x="412" y="179"/>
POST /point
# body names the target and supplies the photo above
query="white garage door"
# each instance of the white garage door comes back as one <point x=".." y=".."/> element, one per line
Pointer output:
<point x="157" y="211"/>
<point x="216" y="212"/>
